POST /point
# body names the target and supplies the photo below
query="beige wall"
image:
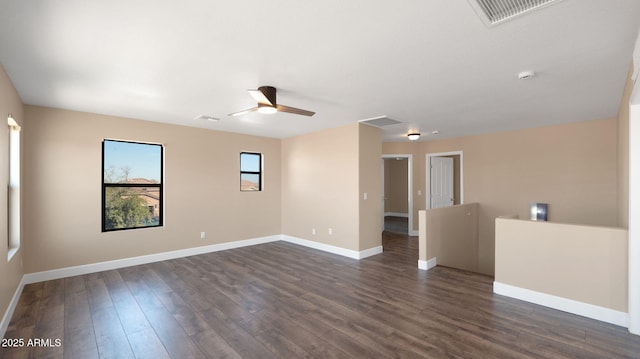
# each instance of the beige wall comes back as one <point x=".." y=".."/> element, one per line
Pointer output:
<point x="10" y="271"/>
<point x="583" y="263"/>
<point x="320" y="186"/>
<point x="63" y="180"/>
<point x="324" y="177"/>
<point x="623" y="154"/>
<point x="396" y="185"/>
<point x="451" y="236"/>
<point x="572" y="167"/>
<point x="370" y="177"/>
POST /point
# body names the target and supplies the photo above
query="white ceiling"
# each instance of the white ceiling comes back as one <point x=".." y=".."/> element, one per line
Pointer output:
<point x="431" y="64"/>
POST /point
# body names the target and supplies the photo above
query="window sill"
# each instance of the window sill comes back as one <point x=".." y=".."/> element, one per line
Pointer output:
<point x="12" y="252"/>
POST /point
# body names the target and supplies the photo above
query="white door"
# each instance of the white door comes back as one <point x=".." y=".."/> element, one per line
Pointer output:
<point x="441" y="182"/>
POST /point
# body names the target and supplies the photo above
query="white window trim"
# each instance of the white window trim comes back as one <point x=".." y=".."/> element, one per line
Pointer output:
<point x="14" y="188"/>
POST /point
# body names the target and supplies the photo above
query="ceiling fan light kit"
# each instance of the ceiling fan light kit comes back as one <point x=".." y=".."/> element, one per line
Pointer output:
<point x="266" y="98"/>
<point x="267" y="110"/>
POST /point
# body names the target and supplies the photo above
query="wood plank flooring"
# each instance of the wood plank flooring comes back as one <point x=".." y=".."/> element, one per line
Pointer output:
<point x="280" y="300"/>
<point x="395" y="224"/>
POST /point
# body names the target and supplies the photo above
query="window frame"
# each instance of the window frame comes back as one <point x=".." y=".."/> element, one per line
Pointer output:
<point x="258" y="173"/>
<point x="159" y="185"/>
<point x="14" y="221"/>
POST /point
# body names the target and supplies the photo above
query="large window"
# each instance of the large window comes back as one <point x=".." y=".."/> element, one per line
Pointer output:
<point x="131" y="185"/>
<point x="14" y="187"/>
<point x="250" y="171"/>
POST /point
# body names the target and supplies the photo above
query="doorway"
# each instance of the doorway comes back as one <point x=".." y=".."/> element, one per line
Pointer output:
<point x="444" y="179"/>
<point x="397" y="202"/>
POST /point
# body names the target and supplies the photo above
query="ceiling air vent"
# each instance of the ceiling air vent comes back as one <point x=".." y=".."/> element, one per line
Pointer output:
<point x="494" y="12"/>
<point x="380" y="121"/>
<point x="207" y="118"/>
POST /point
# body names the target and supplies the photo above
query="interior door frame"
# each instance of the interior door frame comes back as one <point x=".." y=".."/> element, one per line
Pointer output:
<point x="634" y="213"/>
<point x="409" y="158"/>
<point x="428" y="175"/>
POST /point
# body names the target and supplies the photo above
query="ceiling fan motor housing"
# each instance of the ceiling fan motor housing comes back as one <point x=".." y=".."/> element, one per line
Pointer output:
<point x="270" y="93"/>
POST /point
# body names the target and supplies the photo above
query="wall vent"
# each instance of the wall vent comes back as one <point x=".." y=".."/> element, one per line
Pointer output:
<point x="494" y="12"/>
<point x="380" y="121"/>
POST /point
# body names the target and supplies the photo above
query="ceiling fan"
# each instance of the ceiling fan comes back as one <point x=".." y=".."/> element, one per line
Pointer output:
<point x="266" y="98"/>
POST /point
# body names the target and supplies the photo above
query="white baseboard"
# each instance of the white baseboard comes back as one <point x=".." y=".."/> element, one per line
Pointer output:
<point x="4" y="324"/>
<point x="428" y="264"/>
<point x="133" y="261"/>
<point x="369" y="252"/>
<point x="396" y="214"/>
<point x="333" y="249"/>
<point x="566" y="305"/>
<point x="414" y="233"/>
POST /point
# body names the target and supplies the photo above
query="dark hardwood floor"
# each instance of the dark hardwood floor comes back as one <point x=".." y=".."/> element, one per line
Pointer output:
<point x="398" y="225"/>
<point x="280" y="300"/>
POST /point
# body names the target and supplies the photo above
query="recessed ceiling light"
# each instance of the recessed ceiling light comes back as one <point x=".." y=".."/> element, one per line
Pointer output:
<point x="207" y="118"/>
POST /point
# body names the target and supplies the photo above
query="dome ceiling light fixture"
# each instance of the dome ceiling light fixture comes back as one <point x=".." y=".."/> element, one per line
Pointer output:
<point x="413" y="136"/>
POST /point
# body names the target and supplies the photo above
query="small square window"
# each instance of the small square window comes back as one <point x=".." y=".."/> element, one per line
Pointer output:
<point x="250" y="172"/>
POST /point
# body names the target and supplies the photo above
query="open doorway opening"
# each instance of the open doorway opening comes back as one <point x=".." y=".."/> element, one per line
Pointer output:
<point x="444" y="179"/>
<point x="397" y="203"/>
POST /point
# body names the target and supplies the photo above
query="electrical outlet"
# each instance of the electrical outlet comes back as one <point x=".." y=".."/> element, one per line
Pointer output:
<point x="203" y="235"/>
<point x="330" y="231"/>
<point x="313" y="231"/>
<point x="365" y="196"/>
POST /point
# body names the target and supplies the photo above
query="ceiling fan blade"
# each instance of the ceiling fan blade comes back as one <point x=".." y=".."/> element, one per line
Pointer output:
<point x="262" y="97"/>
<point x="297" y="111"/>
<point x="243" y="112"/>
